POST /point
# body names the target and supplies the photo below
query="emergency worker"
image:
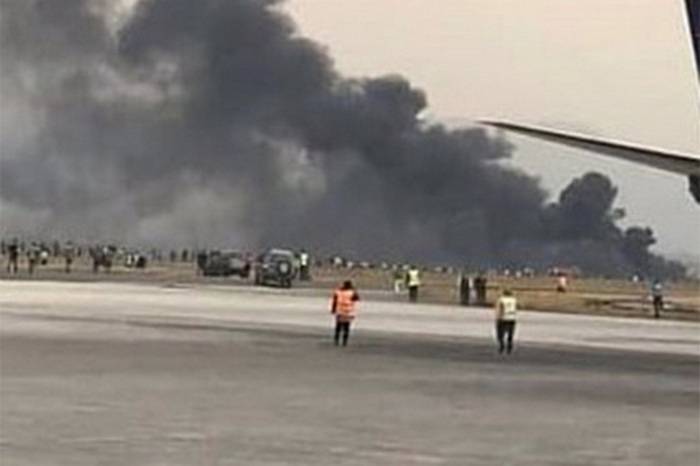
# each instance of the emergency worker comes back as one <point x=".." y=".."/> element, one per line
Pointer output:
<point x="506" y="310"/>
<point x="343" y="307"/>
<point x="413" y="283"/>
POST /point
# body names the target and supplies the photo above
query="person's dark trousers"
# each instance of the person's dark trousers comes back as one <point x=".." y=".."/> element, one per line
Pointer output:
<point x="505" y="329"/>
<point x="342" y="330"/>
<point x="464" y="293"/>
<point x="413" y="293"/>
<point x="658" y="305"/>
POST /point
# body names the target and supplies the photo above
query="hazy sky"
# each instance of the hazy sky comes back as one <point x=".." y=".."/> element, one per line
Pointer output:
<point x="619" y="69"/>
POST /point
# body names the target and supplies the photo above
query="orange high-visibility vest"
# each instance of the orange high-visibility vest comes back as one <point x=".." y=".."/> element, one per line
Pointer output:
<point x="345" y="304"/>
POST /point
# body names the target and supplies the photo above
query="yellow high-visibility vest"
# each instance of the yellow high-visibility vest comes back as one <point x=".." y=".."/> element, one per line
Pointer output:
<point x="413" y="277"/>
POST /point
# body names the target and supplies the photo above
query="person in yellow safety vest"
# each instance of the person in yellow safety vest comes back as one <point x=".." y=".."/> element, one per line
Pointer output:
<point x="343" y="307"/>
<point x="413" y="282"/>
<point x="506" y="310"/>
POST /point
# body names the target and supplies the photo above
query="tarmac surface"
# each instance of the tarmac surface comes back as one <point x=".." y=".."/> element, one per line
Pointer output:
<point x="114" y="374"/>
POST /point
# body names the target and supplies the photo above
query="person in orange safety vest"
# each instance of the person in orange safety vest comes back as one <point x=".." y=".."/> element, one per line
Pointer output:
<point x="343" y="307"/>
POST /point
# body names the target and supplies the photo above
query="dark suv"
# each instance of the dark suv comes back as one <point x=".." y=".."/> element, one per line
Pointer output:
<point x="275" y="266"/>
<point x="226" y="263"/>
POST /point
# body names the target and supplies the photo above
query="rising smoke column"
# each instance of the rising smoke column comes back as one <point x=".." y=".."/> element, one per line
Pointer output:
<point x="214" y="122"/>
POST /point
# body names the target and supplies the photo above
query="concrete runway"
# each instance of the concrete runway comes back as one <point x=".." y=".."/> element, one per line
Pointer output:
<point x="115" y="374"/>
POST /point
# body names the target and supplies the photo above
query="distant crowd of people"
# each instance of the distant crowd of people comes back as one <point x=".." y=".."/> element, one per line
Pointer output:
<point x="472" y="288"/>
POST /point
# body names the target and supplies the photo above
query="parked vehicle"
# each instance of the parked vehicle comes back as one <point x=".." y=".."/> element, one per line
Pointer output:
<point x="276" y="266"/>
<point x="226" y="263"/>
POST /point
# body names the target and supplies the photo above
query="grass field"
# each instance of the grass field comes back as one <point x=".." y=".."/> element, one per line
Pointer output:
<point x="585" y="295"/>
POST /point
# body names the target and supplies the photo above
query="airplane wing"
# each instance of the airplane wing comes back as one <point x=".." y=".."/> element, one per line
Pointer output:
<point x="682" y="164"/>
<point x="675" y="162"/>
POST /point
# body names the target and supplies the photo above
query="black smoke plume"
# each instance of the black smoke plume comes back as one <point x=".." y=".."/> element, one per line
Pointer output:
<point x="213" y="122"/>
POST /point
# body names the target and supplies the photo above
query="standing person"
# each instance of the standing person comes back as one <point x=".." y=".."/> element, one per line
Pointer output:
<point x="399" y="280"/>
<point x="202" y="259"/>
<point x="480" y="289"/>
<point x="304" y="274"/>
<point x="13" y="258"/>
<point x="465" y="286"/>
<point x="96" y="256"/>
<point x="562" y="283"/>
<point x="343" y="307"/>
<point x="657" y="295"/>
<point x="69" y="254"/>
<point x="413" y="282"/>
<point x="32" y="258"/>
<point x="107" y="256"/>
<point x="43" y="256"/>
<point x="506" y="310"/>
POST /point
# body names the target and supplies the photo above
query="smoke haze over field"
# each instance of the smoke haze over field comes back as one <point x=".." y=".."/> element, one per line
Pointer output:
<point x="214" y="122"/>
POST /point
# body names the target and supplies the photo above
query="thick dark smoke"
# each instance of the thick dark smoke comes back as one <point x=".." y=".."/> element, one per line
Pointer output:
<point x="213" y="122"/>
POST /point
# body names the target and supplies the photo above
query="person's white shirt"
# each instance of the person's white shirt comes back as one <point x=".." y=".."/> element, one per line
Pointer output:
<point x="506" y="308"/>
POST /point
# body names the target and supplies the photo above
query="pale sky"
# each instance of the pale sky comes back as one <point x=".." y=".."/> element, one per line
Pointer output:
<point x="620" y="69"/>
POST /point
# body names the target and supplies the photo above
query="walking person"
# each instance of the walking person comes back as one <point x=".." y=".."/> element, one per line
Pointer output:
<point x="506" y="310"/>
<point x="343" y="307"/>
<point x="413" y="283"/>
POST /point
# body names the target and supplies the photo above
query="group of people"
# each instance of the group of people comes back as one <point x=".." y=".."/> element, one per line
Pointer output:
<point x="472" y="290"/>
<point x="37" y="254"/>
<point x="345" y="298"/>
